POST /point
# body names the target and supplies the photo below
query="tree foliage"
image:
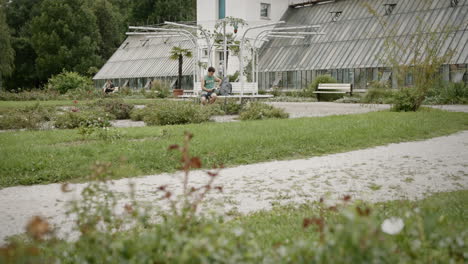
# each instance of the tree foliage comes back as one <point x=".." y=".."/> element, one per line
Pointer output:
<point x="178" y="53"/>
<point x="420" y="55"/>
<point x="65" y="36"/>
<point x="49" y="36"/>
<point x="6" y="50"/>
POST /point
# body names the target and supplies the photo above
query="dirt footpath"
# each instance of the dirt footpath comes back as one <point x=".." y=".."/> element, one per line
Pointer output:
<point x="397" y="171"/>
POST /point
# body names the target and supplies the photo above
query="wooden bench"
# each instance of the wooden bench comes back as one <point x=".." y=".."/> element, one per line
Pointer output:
<point x="250" y="91"/>
<point x="334" y="88"/>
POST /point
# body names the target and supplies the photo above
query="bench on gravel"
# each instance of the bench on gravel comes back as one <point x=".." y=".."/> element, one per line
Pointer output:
<point x="335" y="88"/>
<point x="250" y="91"/>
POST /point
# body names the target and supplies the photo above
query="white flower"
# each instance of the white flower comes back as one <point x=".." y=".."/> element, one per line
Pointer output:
<point x="392" y="226"/>
<point x="238" y="231"/>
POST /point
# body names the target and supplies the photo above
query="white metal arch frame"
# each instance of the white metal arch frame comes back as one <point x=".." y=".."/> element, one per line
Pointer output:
<point x="183" y="33"/>
<point x="242" y="46"/>
<point x="277" y="31"/>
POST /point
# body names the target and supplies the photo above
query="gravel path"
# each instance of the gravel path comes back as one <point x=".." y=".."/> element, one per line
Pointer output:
<point x="397" y="171"/>
<point x="296" y="110"/>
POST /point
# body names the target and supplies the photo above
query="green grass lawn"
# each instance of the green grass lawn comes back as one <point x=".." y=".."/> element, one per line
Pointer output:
<point x="432" y="230"/>
<point x="283" y="225"/>
<point x="34" y="157"/>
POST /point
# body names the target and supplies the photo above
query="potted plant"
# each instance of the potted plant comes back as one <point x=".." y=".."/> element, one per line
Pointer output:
<point x="178" y="54"/>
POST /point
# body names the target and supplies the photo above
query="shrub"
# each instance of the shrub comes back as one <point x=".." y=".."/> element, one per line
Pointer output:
<point x="378" y="94"/>
<point x="115" y="107"/>
<point x="66" y="81"/>
<point x="76" y="119"/>
<point x="159" y="89"/>
<point x="33" y="95"/>
<point x="138" y="114"/>
<point x="232" y="107"/>
<point x="448" y="93"/>
<point x="174" y="112"/>
<point x="349" y="100"/>
<point x="259" y="111"/>
<point x="276" y="91"/>
<point x="28" y="117"/>
<point x="84" y="93"/>
<point x="309" y="91"/>
<point x="405" y="100"/>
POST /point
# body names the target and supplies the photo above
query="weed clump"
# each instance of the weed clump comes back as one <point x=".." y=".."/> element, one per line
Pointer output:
<point x="85" y="118"/>
<point x="30" y="117"/>
<point x="115" y="107"/>
<point x="175" y="113"/>
<point x="260" y="111"/>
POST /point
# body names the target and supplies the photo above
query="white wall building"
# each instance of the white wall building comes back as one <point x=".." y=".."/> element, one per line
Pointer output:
<point x="254" y="12"/>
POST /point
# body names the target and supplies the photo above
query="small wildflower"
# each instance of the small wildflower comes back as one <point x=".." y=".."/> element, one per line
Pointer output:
<point x="128" y="208"/>
<point x="173" y="147"/>
<point x="347" y="198"/>
<point x="363" y="212"/>
<point x="195" y="163"/>
<point x="212" y="174"/>
<point x="238" y="231"/>
<point x="392" y="226"/>
<point x="37" y="227"/>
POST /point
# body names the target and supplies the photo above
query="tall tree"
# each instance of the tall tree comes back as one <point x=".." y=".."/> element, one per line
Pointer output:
<point x="65" y="36"/>
<point x="110" y="24"/>
<point x="19" y="14"/>
<point x="158" y="11"/>
<point x="178" y="54"/>
<point x="7" y="53"/>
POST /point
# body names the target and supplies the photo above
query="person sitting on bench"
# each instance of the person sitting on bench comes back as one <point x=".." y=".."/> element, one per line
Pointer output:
<point x="208" y="87"/>
<point x="109" y="87"/>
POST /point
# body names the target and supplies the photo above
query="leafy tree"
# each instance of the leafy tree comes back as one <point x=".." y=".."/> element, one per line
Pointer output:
<point x="19" y="13"/>
<point x="420" y="54"/>
<point x="65" y="36"/>
<point x="157" y="11"/>
<point x="109" y="22"/>
<point x="7" y="53"/>
<point x="178" y="53"/>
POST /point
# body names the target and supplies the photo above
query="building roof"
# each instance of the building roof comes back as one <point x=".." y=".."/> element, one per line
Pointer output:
<point x="356" y="39"/>
<point x="140" y="57"/>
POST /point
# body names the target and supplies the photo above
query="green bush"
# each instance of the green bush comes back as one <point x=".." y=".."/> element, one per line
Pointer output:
<point x="260" y="111"/>
<point x="84" y="93"/>
<point x="159" y="89"/>
<point x="405" y="100"/>
<point x="67" y="81"/>
<point x="309" y="91"/>
<point x="138" y="114"/>
<point x="378" y="94"/>
<point x="233" y="107"/>
<point x="448" y="93"/>
<point x="175" y="112"/>
<point x="28" y="117"/>
<point x="349" y="100"/>
<point x="77" y="118"/>
<point x="33" y="95"/>
<point x="276" y="91"/>
<point x="115" y="107"/>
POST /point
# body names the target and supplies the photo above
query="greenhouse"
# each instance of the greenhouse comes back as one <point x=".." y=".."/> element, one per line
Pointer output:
<point x="352" y="48"/>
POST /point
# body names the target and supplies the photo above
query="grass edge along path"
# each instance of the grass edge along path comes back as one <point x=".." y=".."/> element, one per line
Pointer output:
<point x="284" y="224"/>
<point x="430" y="230"/>
<point x="38" y="157"/>
<point x="57" y="103"/>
